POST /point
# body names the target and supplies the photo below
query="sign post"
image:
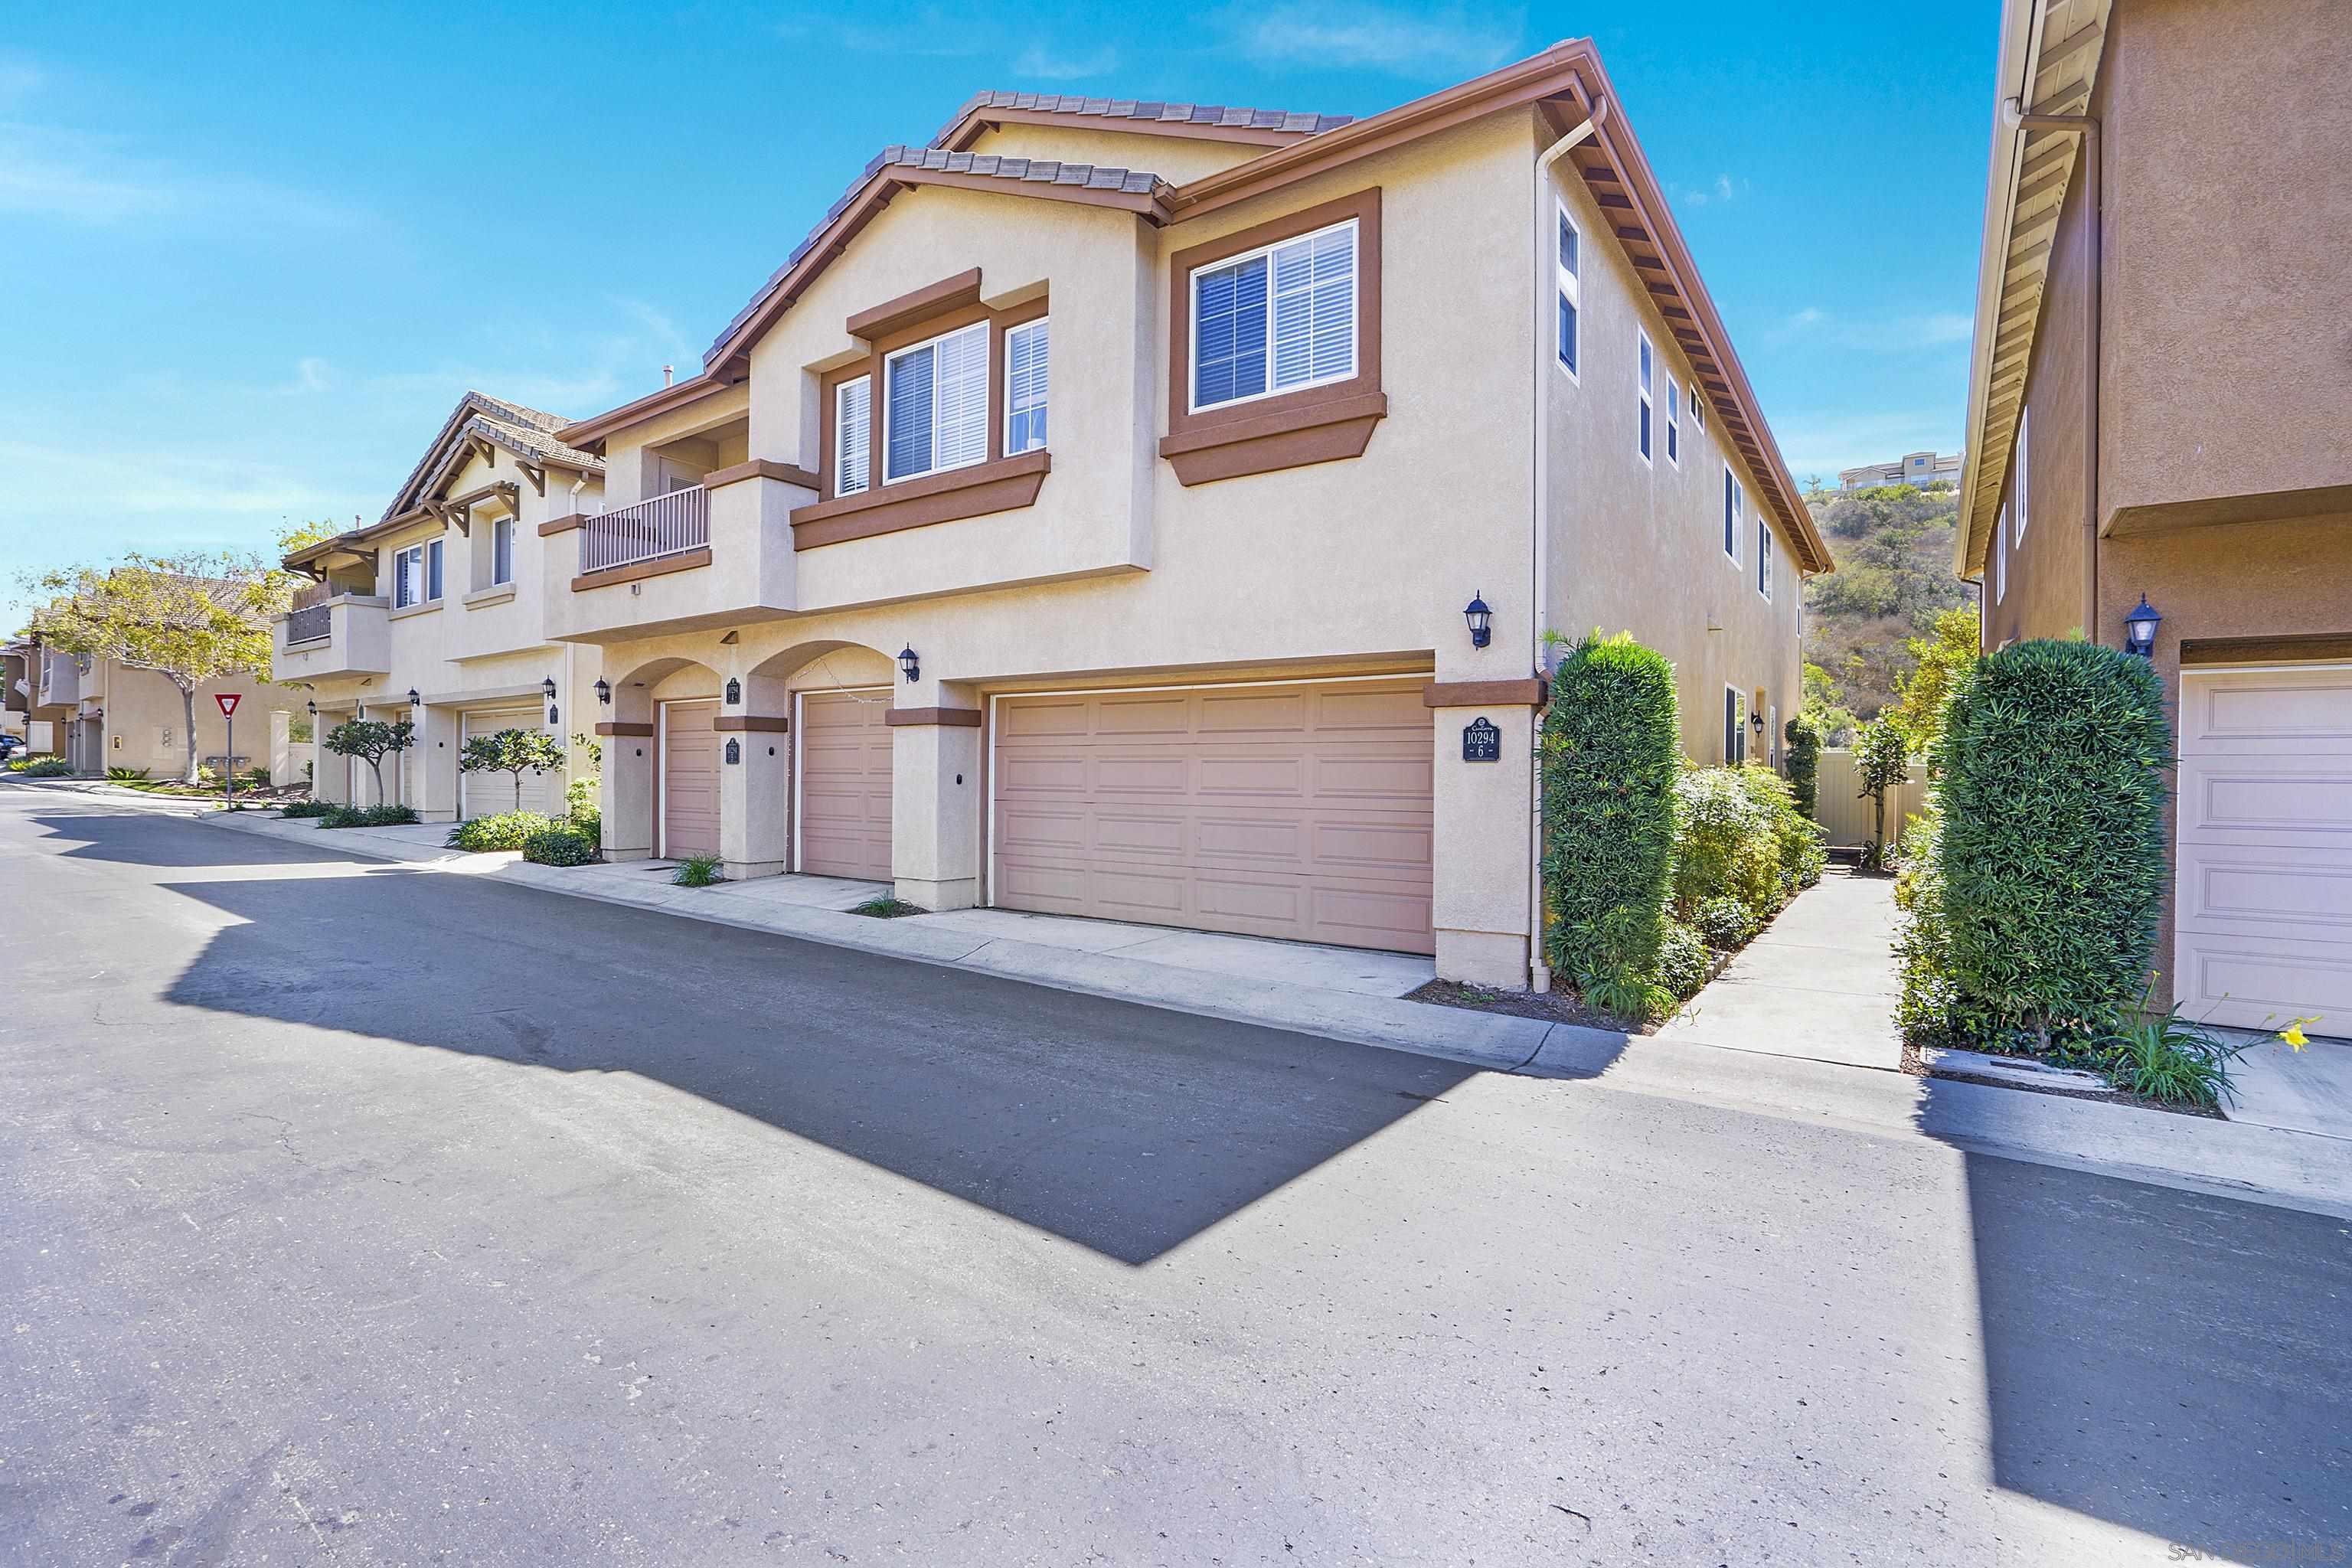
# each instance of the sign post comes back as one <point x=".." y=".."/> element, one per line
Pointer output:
<point x="229" y="701"/>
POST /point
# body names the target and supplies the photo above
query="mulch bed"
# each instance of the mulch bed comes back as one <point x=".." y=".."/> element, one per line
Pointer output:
<point x="1550" y="1007"/>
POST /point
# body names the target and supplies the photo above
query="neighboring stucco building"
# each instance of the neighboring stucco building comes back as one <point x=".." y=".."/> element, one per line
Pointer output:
<point x="435" y="613"/>
<point x="97" y="714"/>
<point x="2158" y="410"/>
<point x="1083" y="517"/>
<point x="1917" y="469"/>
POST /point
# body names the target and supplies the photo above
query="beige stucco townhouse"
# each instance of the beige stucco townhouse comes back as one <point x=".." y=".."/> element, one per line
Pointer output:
<point x="1083" y="519"/>
<point x="436" y="613"/>
<point x="98" y="714"/>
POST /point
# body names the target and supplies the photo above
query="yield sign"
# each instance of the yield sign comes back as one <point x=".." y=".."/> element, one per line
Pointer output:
<point x="229" y="701"/>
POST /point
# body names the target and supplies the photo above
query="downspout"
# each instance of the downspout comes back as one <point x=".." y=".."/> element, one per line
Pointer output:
<point x="2087" y="128"/>
<point x="1540" y="555"/>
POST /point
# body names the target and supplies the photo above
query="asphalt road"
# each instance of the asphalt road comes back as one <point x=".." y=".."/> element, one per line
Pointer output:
<point x="354" y="1214"/>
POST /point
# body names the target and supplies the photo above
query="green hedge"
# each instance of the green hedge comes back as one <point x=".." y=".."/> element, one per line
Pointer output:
<point x="310" y="808"/>
<point x="559" y="846"/>
<point x="369" y="817"/>
<point x="1610" y="753"/>
<point x="2052" y="868"/>
<point x="1804" y="759"/>
<point x="503" y="830"/>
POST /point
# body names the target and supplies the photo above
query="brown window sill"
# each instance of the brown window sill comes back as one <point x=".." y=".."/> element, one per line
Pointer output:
<point x="1287" y="439"/>
<point x="638" y="570"/>
<point x="1001" y="486"/>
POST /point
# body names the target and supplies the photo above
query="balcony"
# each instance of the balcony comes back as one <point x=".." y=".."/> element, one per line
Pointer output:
<point x="634" y="538"/>
<point x="638" y="564"/>
<point x="349" y="634"/>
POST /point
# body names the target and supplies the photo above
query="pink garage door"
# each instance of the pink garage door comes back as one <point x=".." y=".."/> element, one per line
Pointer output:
<point x="844" y="793"/>
<point x="1283" y="811"/>
<point x="690" y="780"/>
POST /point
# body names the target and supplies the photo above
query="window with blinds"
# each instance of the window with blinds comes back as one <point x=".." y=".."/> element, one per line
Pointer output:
<point x="853" y="436"/>
<point x="1277" y="319"/>
<point x="1027" y="356"/>
<point x="935" y="409"/>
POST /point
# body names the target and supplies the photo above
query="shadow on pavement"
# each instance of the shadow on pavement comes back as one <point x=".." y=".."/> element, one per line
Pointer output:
<point x="2126" y="1380"/>
<point x="1123" y="1128"/>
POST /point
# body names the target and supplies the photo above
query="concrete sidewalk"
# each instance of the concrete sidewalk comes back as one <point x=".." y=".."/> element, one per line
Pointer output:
<point x="1819" y="982"/>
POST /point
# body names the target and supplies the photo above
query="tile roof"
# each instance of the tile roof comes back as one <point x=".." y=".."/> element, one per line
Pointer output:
<point x="981" y="166"/>
<point x="1138" y="109"/>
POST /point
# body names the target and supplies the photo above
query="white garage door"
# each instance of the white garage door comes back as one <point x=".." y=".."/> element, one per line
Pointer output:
<point x="1298" y="811"/>
<point x="2263" y="898"/>
<point x="487" y="793"/>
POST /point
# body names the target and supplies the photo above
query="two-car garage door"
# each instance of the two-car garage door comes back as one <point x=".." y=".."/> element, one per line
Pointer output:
<point x="1298" y="810"/>
<point x="2264" y="894"/>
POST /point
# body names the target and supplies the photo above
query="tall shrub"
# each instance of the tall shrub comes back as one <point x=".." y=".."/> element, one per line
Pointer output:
<point x="1611" y="750"/>
<point x="1804" y="757"/>
<point x="1881" y="760"/>
<point x="2053" y="867"/>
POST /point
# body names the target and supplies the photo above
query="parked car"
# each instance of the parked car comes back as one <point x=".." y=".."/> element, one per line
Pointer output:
<point x="10" y="746"/>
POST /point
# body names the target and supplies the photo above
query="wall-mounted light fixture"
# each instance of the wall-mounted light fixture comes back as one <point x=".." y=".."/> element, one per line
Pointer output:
<point x="1756" y="719"/>
<point x="313" y="709"/>
<point x="909" y="663"/>
<point x="604" y="693"/>
<point x="414" y="698"/>
<point x="1481" y="621"/>
<point x="547" y="689"/>
<point x="2140" y="629"/>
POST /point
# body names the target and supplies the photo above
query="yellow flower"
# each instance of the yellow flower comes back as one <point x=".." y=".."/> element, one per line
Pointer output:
<point x="2294" y="1035"/>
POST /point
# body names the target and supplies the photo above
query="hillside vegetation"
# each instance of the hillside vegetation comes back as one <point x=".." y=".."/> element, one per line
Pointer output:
<point x="1893" y="578"/>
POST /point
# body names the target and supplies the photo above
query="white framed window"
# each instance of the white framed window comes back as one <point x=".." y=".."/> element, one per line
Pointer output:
<point x="1734" y="503"/>
<point x="1567" y="292"/>
<point x="1674" y="422"/>
<point x="1735" y="726"/>
<point x="417" y="575"/>
<point x="1698" y="410"/>
<point x="1027" y="371"/>
<point x="502" y="551"/>
<point x="1641" y="397"/>
<point x="1280" y="318"/>
<point x="2000" y="558"/>
<point x="853" y="436"/>
<point x="1763" y="557"/>
<point x="935" y="407"/>
<point x="2024" y="469"/>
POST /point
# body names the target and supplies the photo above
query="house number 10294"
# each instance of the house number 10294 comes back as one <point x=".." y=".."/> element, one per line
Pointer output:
<point x="1480" y="741"/>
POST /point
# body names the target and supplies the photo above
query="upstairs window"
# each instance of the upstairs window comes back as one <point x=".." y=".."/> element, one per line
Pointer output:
<point x="935" y="414"/>
<point x="853" y="436"/>
<point x="1763" y="558"/>
<point x="1569" y="292"/>
<point x="2024" y="469"/>
<point x="1674" y="422"/>
<point x="417" y="575"/>
<point x="1732" y="501"/>
<point x="1277" y="319"/>
<point x="1734" y="727"/>
<point x="1642" y="397"/>
<point x="1028" y="353"/>
<point x="502" y="551"/>
<point x="1698" y="410"/>
<point x="2000" y="558"/>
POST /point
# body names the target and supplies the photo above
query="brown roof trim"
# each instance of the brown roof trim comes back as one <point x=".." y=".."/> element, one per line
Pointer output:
<point x="975" y="124"/>
<point x="723" y="373"/>
<point x="661" y="566"/>
<point x="879" y="321"/>
<point x="1213" y="122"/>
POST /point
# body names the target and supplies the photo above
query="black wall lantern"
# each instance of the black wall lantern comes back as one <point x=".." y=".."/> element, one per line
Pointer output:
<point x="313" y="707"/>
<point x="1756" y="719"/>
<point x="909" y="663"/>
<point x="547" y="690"/>
<point x="2140" y="629"/>
<point x="1481" y="619"/>
<point x="413" y="699"/>
<point x="734" y="692"/>
<point x="604" y="692"/>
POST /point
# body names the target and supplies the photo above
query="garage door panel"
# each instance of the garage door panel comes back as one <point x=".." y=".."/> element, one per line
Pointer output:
<point x="2262" y="984"/>
<point x="2267" y="795"/>
<point x="2290" y="893"/>
<point x="1300" y="812"/>
<point x="847" y="765"/>
<point x="2254" y="712"/>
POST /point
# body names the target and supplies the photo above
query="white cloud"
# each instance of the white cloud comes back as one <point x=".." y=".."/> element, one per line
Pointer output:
<point x="1041" y="64"/>
<point x="1449" y="40"/>
<point x="73" y="175"/>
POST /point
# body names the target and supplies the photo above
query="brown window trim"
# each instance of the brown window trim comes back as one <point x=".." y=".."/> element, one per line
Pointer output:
<point x="918" y="305"/>
<point x="637" y="571"/>
<point x="1315" y="425"/>
<point x="951" y="312"/>
<point x="1004" y="485"/>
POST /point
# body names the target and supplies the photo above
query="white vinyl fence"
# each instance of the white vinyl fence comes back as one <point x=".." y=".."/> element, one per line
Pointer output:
<point x="1852" y="821"/>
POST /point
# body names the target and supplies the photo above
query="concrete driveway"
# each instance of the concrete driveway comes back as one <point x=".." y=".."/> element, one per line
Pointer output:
<point x="354" y="1214"/>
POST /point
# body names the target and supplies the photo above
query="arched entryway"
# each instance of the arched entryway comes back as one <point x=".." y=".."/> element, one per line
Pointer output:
<point x="662" y="761"/>
<point x="838" y="698"/>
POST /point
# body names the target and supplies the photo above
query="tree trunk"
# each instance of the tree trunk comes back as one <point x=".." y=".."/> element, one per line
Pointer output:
<point x="518" y="779"/>
<point x="188" y="712"/>
<point x="376" y="766"/>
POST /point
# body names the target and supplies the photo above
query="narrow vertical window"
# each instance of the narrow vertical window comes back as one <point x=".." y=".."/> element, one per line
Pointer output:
<point x="502" y="551"/>
<point x="407" y="584"/>
<point x="1732" y="501"/>
<point x="1698" y="410"/>
<point x="853" y="436"/>
<point x="433" y="570"/>
<point x="1735" y="734"/>
<point x="1027" y="352"/>
<point x="2024" y="469"/>
<point x="1674" y="422"/>
<point x="1642" y="397"/>
<point x="2000" y="558"/>
<point x="1763" y="557"/>
<point x="1568" y="294"/>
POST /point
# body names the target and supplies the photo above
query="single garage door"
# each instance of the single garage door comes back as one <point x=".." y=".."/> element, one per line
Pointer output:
<point x="1298" y="811"/>
<point x="2263" y="895"/>
<point x="845" y="784"/>
<point x="486" y="794"/>
<point x="690" y="812"/>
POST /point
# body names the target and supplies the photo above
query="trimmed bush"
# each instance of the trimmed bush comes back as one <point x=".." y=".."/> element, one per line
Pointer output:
<point x="367" y="817"/>
<point x="505" y="830"/>
<point x="42" y="768"/>
<point x="559" y="846"/>
<point x="580" y="806"/>
<point x="1612" y="752"/>
<point x="1725" y="922"/>
<point x="1800" y="844"/>
<point x="1683" y="961"/>
<point x="2053" y="870"/>
<point x="309" y="808"/>
<point x="1804" y="759"/>
<point x="1725" y="846"/>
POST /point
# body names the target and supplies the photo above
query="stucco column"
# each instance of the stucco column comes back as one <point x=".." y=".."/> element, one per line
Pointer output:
<point x="1482" y="811"/>
<point x="935" y="805"/>
<point x="331" y="775"/>
<point x="626" y="795"/>
<point x="437" y="766"/>
<point x="755" y="775"/>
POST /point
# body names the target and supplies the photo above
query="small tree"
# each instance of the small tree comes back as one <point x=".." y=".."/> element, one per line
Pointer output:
<point x="1804" y="761"/>
<point x="372" y="741"/>
<point x="515" y="751"/>
<point x="1882" y="758"/>
<point x="190" y="618"/>
<point x="1942" y="660"/>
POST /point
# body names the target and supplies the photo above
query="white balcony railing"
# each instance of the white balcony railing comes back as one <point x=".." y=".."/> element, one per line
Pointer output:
<point x="670" y="525"/>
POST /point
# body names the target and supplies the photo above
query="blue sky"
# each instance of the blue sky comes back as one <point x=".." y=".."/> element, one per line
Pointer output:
<point x="248" y="270"/>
